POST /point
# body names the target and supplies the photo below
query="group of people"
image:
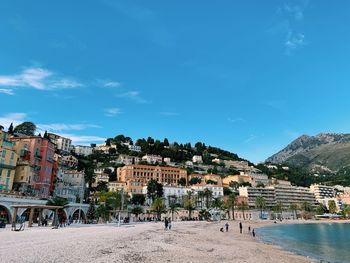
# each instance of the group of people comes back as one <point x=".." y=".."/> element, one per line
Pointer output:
<point x="167" y="223"/>
<point x="240" y="229"/>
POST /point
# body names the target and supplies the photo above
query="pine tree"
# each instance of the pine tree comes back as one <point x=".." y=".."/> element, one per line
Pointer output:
<point x="10" y="129"/>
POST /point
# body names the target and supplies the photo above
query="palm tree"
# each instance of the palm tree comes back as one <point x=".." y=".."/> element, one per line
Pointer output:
<point x="294" y="207"/>
<point x="173" y="207"/>
<point x="243" y="206"/>
<point x="58" y="201"/>
<point x="189" y="203"/>
<point x="231" y="203"/>
<point x="158" y="207"/>
<point x="260" y="203"/>
<point x="103" y="212"/>
<point x="217" y="203"/>
<point x="208" y="196"/>
<point x="137" y="210"/>
<point x="278" y="208"/>
<point x="201" y="197"/>
<point x="346" y="211"/>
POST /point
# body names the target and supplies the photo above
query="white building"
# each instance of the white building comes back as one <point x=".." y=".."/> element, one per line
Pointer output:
<point x="83" y="150"/>
<point x="73" y="177"/>
<point x="152" y="158"/>
<point x="63" y="144"/>
<point x="175" y="193"/>
<point x="167" y="160"/>
<point x="197" y="159"/>
<point x="218" y="191"/>
<point x="134" y="148"/>
<point x="128" y="159"/>
<point x="322" y="191"/>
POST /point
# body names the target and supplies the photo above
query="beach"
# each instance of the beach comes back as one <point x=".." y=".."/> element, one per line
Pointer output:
<point x="146" y="242"/>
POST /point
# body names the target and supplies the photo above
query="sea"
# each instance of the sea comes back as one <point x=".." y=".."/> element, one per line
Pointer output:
<point x="327" y="242"/>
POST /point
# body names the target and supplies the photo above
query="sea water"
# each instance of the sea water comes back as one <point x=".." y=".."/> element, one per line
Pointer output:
<point x="329" y="242"/>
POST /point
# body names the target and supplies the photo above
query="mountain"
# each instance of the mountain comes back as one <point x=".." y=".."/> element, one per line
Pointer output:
<point x="323" y="153"/>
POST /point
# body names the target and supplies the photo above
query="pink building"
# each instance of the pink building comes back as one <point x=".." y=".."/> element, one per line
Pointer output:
<point x="38" y="153"/>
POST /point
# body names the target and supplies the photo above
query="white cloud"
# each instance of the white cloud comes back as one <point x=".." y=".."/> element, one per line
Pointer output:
<point x="134" y="96"/>
<point x="59" y="127"/>
<point x="169" y="113"/>
<point x="297" y="12"/>
<point x="39" y="79"/>
<point x="294" y="41"/>
<point x="15" y="118"/>
<point x="84" y="139"/>
<point x="111" y="84"/>
<point x="112" y="112"/>
<point x="235" y="120"/>
<point x="251" y="138"/>
<point x="7" y="91"/>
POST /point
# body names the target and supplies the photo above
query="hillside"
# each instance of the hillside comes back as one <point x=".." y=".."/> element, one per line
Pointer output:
<point x="323" y="153"/>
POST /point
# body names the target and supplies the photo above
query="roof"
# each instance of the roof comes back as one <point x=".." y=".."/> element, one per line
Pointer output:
<point x="38" y="206"/>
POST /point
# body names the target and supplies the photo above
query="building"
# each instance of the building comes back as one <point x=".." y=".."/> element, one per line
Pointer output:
<point x="280" y="193"/>
<point x="69" y="161"/>
<point x="239" y="178"/>
<point x="73" y="177"/>
<point x="63" y="144"/>
<point x="214" y="178"/>
<point x="217" y="191"/>
<point x="136" y="176"/>
<point x="100" y="176"/>
<point x="134" y="148"/>
<point x="197" y="159"/>
<point x="8" y="162"/>
<point x="322" y="191"/>
<point x="36" y="163"/>
<point x="116" y="186"/>
<point x="128" y="159"/>
<point x="83" y="150"/>
<point x="174" y="194"/>
<point x="268" y="193"/>
<point x="153" y="159"/>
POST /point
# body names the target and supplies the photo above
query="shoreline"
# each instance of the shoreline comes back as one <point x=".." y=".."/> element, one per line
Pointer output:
<point x="191" y="241"/>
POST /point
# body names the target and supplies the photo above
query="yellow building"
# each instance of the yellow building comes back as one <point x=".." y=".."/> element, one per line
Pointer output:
<point x="238" y="178"/>
<point x="8" y="162"/>
<point x="115" y="186"/>
<point x="136" y="176"/>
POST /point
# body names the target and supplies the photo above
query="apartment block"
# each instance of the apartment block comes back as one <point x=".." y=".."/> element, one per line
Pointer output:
<point x="8" y="162"/>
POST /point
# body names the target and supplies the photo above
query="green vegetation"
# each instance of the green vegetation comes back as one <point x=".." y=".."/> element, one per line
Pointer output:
<point x="26" y="128"/>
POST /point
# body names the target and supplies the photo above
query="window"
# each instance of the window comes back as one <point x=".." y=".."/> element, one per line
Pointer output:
<point x="3" y="153"/>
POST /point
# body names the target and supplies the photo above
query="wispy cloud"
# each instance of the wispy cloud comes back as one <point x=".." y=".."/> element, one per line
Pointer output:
<point x="294" y="41"/>
<point x="169" y="113"/>
<point x="108" y="83"/>
<point x="38" y="78"/>
<point x="84" y="139"/>
<point x="235" y="120"/>
<point x="15" y="118"/>
<point x="295" y="11"/>
<point x="59" y="127"/>
<point x="111" y="112"/>
<point x="134" y="96"/>
<point x="7" y="91"/>
<point x="250" y="138"/>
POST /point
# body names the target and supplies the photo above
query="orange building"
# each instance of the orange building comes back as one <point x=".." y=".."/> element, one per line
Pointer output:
<point x="136" y="176"/>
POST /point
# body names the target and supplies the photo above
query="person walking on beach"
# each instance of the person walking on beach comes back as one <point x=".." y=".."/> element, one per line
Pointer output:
<point x="249" y="229"/>
<point x="240" y="227"/>
<point x="169" y="224"/>
<point x="226" y="226"/>
<point x="253" y="232"/>
<point x="166" y="222"/>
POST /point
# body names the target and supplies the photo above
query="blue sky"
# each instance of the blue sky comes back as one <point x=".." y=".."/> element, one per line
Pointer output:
<point x="246" y="76"/>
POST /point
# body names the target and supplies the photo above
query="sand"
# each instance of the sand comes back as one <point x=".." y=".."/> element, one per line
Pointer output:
<point x="147" y="242"/>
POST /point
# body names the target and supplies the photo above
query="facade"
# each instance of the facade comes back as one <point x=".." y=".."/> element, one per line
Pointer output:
<point x="239" y="178"/>
<point x="69" y="161"/>
<point x="174" y="193"/>
<point x="63" y="144"/>
<point x="197" y="159"/>
<point x="218" y="191"/>
<point x="136" y="176"/>
<point x="134" y="148"/>
<point x="115" y="186"/>
<point x="128" y="159"/>
<point x="322" y="191"/>
<point x="8" y="162"/>
<point x="283" y="193"/>
<point x="83" y="150"/>
<point x="73" y="177"/>
<point x="35" y="165"/>
<point x="152" y="159"/>
<point x="213" y="177"/>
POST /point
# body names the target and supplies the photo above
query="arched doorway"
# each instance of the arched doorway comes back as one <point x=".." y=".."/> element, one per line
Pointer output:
<point x="26" y="214"/>
<point x="5" y="214"/>
<point x="75" y="215"/>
